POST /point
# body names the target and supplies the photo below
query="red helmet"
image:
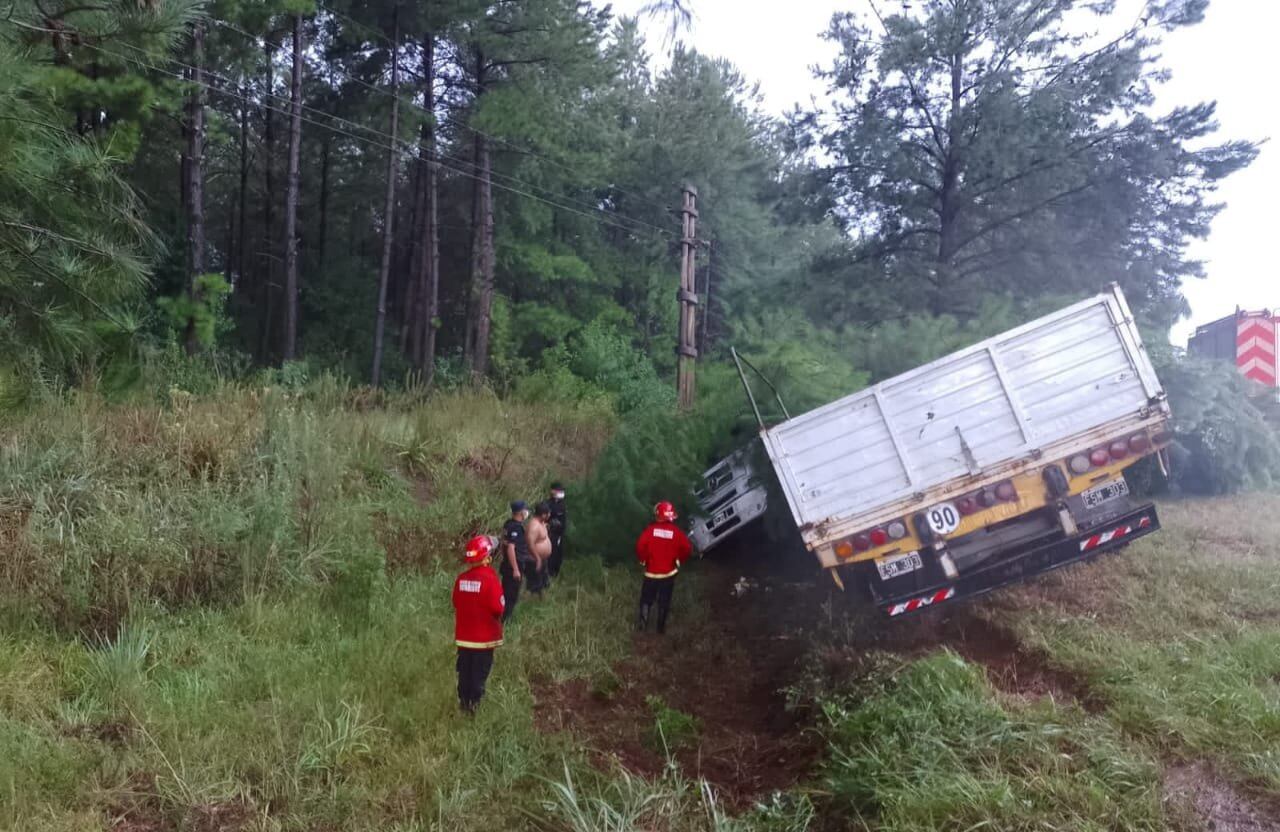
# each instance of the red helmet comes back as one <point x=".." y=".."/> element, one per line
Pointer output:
<point x="665" y="511"/>
<point x="479" y="548"/>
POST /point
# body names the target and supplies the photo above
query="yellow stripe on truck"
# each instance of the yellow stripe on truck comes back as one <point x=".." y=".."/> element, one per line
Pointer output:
<point x="1032" y="495"/>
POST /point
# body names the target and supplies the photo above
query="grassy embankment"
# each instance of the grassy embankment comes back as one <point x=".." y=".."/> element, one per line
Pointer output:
<point x="1138" y="693"/>
<point x="200" y="631"/>
<point x="232" y="614"/>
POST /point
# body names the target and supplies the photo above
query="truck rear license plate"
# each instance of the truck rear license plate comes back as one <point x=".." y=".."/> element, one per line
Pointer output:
<point x="1105" y="493"/>
<point x="892" y="567"/>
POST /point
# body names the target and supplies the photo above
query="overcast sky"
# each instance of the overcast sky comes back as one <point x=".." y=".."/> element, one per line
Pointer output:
<point x="1230" y="58"/>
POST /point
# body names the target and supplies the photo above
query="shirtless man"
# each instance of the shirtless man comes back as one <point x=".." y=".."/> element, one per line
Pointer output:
<point x="540" y="546"/>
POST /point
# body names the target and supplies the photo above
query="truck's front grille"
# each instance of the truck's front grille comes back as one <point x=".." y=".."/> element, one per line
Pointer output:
<point x="728" y="497"/>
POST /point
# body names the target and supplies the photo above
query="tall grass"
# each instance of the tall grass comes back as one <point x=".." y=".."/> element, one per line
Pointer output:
<point x="1180" y="634"/>
<point x="236" y="606"/>
<point x="934" y="749"/>
<point x="107" y="510"/>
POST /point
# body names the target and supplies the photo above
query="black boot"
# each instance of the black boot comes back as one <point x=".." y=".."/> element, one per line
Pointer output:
<point x="642" y="618"/>
<point x="662" y="619"/>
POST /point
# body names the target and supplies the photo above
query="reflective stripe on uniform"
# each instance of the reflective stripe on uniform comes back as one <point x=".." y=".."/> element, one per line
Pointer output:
<point x="478" y="645"/>
<point x="670" y="574"/>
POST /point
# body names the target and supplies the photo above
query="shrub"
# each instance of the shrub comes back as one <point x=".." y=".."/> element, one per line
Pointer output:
<point x="1224" y="442"/>
<point x="672" y="729"/>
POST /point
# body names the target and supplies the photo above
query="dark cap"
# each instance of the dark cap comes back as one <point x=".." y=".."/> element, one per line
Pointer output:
<point x="518" y="506"/>
<point x="556" y="486"/>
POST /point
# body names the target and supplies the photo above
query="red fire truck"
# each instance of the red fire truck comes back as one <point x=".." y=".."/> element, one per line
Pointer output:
<point x="1249" y="339"/>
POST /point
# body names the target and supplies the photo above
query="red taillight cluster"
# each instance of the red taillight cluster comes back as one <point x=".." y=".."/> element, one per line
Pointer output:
<point x="1104" y="455"/>
<point x="871" y="539"/>
<point x="1004" y="492"/>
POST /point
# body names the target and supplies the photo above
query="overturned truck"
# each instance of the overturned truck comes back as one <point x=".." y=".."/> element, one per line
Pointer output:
<point x="988" y="466"/>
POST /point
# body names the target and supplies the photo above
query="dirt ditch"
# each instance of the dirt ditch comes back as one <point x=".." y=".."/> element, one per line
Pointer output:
<point x="1012" y="667"/>
<point x="1198" y="790"/>
<point x="729" y="672"/>
<point x="733" y="671"/>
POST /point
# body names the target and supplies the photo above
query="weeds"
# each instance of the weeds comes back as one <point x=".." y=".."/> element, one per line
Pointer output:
<point x="673" y="803"/>
<point x="935" y="750"/>
<point x="672" y="729"/>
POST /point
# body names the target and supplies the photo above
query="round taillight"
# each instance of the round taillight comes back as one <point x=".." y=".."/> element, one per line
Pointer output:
<point x="1119" y="450"/>
<point x="967" y="506"/>
<point x="987" y="498"/>
<point x="1139" y="443"/>
<point x="1080" y="464"/>
<point x="897" y="530"/>
<point x="879" y="537"/>
<point x="1005" y="491"/>
<point x="1099" y="457"/>
<point x="844" y="549"/>
<point x="862" y="543"/>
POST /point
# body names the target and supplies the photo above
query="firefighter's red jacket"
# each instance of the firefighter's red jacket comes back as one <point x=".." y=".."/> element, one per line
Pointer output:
<point x="477" y="606"/>
<point x="662" y="548"/>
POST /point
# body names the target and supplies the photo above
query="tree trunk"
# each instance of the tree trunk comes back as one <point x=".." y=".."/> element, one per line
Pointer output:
<point x="193" y="186"/>
<point x="949" y="197"/>
<point x="323" y="231"/>
<point x="266" y="350"/>
<point x="291" y="198"/>
<point x="482" y="254"/>
<point x="427" y="360"/>
<point x="242" y="220"/>
<point x="407" y="304"/>
<point x="427" y="289"/>
<point x="389" y="211"/>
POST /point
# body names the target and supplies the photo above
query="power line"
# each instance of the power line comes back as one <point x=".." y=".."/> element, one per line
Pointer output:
<point x="520" y="182"/>
<point x="396" y="145"/>
<point x="601" y="215"/>
<point x="666" y="209"/>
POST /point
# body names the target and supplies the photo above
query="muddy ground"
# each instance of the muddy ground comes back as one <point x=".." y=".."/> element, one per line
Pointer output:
<point x="729" y="666"/>
<point x="737" y="672"/>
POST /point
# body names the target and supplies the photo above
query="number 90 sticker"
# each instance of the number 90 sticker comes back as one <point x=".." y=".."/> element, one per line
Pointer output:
<point x="943" y="518"/>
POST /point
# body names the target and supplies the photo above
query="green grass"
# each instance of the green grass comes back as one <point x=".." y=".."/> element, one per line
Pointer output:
<point x="237" y="607"/>
<point x="1179" y="635"/>
<point x="673" y="729"/>
<point x="1176" y="642"/>
<point x="235" y="610"/>
<point x="933" y="747"/>
<point x="243" y="601"/>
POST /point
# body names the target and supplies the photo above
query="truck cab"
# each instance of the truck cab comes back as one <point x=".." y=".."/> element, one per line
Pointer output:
<point x="732" y="495"/>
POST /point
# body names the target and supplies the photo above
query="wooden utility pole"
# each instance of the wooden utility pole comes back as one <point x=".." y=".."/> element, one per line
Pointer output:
<point x="686" y="350"/>
<point x="706" y="298"/>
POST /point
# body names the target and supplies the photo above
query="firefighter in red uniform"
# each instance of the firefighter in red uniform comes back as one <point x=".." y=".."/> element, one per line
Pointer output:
<point x="661" y="549"/>
<point x="477" y="631"/>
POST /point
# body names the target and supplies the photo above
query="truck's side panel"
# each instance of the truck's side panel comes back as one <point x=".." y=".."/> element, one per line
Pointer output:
<point x="1074" y="374"/>
<point x="1064" y="375"/>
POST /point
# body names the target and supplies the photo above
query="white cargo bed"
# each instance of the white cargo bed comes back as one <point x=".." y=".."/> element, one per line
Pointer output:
<point x="1057" y="382"/>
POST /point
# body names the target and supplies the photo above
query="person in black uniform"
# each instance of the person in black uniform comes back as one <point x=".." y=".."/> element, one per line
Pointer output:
<point x="557" y="527"/>
<point x="517" y="560"/>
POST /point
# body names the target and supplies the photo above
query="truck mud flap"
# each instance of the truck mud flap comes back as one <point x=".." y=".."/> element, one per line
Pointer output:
<point x="1036" y="561"/>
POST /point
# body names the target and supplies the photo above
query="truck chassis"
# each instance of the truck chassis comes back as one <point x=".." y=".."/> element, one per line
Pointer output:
<point x="1036" y="559"/>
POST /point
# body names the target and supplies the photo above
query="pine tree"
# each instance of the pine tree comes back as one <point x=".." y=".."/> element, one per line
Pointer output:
<point x="980" y="148"/>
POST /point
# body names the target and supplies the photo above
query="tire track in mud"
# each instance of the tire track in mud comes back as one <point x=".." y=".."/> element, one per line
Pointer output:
<point x="730" y="672"/>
